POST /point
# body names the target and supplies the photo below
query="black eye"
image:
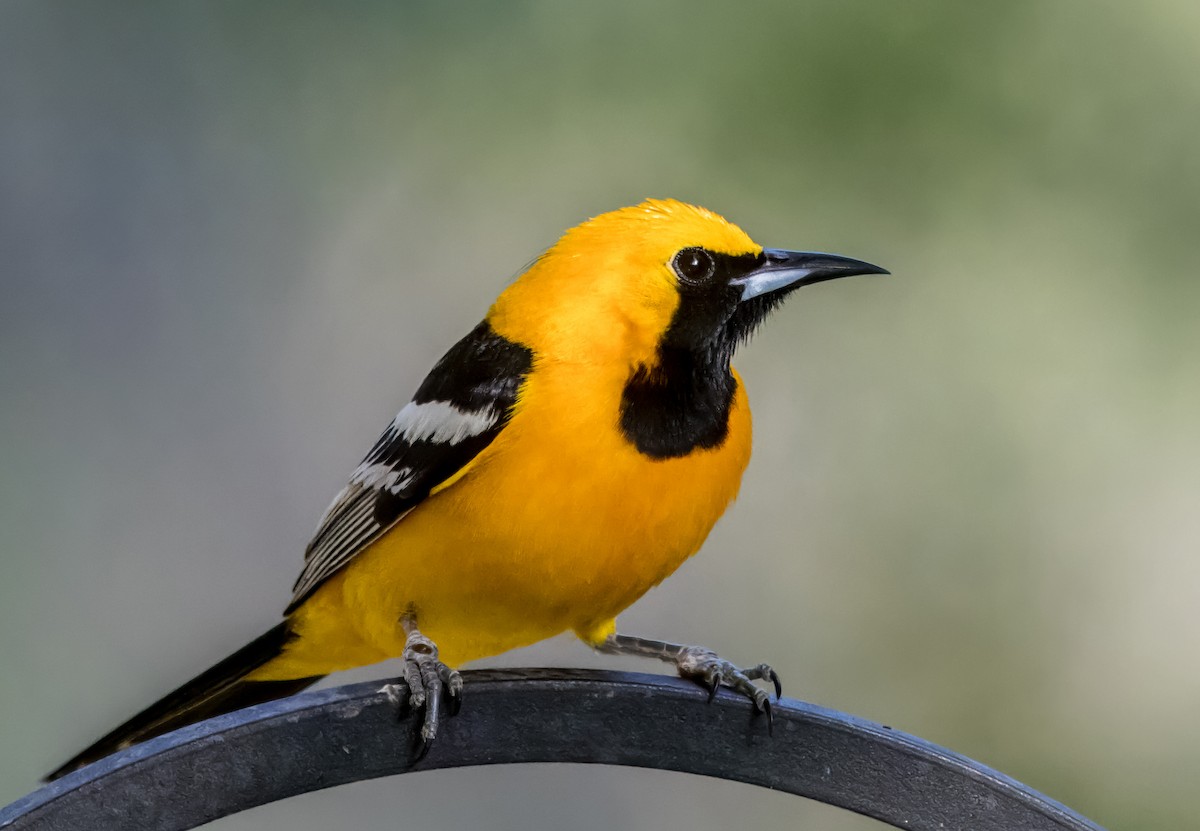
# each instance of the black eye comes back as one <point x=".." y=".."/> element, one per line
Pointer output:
<point x="694" y="264"/>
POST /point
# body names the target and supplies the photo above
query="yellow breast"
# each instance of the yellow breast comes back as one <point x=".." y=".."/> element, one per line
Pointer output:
<point x="559" y="525"/>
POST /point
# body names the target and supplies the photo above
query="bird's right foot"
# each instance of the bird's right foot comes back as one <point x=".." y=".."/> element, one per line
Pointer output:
<point x="704" y="667"/>
<point x="711" y="670"/>
<point x="426" y="681"/>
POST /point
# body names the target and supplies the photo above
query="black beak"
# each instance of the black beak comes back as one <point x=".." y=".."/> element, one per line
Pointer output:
<point x="793" y="269"/>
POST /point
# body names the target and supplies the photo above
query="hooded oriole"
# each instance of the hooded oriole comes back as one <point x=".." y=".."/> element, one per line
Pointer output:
<point x="563" y="458"/>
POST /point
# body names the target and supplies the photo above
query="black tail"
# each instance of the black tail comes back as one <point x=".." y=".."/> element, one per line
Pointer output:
<point x="220" y="689"/>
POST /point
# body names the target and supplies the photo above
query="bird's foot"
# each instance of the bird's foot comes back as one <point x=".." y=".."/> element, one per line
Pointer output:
<point x="706" y="667"/>
<point x="426" y="681"/>
<point x="703" y="666"/>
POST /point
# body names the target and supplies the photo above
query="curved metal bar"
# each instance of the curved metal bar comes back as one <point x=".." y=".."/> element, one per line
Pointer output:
<point x="330" y="737"/>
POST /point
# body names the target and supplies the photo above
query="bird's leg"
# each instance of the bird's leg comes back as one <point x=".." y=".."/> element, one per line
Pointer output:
<point x="701" y="665"/>
<point x="425" y="680"/>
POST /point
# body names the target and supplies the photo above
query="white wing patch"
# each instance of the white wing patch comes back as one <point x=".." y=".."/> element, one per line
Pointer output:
<point x="382" y="477"/>
<point x="441" y="421"/>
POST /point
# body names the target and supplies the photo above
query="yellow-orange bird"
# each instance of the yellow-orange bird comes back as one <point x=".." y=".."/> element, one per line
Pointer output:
<point x="565" y="456"/>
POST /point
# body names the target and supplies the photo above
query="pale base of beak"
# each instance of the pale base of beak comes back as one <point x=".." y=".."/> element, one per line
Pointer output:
<point x="785" y="269"/>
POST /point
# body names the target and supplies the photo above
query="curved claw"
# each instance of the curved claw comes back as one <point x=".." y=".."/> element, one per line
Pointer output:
<point x="769" y="674"/>
<point x="454" y="688"/>
<point x="766" y="672"/>
<point x="713" y="679"/>
<point x="420" y="748"/>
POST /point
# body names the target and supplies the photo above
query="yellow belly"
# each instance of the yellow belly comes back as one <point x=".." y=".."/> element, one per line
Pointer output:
<point x="558" y="525"/>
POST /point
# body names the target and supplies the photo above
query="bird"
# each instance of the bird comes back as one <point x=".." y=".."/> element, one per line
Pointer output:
<point x="565" y="456"/>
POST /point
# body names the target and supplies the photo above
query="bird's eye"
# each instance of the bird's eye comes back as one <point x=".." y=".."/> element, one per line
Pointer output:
<point x="694" y="264"/>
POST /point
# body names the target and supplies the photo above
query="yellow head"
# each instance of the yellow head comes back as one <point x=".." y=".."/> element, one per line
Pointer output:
<point x="656" y="297"/>
<point x="613" y="287"/>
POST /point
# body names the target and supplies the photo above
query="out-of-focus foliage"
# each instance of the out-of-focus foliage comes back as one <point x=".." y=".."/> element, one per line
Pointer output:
<point x="234" y="236"/>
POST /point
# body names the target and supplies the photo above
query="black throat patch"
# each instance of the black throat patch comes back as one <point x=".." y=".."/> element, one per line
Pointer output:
<point x="682" y="402"/>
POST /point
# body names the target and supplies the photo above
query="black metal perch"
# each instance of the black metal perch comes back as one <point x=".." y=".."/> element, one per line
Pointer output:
<point x="330" y="737"/>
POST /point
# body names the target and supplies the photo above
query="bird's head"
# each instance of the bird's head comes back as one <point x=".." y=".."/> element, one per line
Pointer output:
<point x="662" y="275"/>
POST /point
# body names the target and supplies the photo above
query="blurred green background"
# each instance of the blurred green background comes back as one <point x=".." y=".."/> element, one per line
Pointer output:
<point x="234" y="236"/>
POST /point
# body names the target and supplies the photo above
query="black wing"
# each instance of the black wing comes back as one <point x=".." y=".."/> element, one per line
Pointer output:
<point x="458" y="410"/>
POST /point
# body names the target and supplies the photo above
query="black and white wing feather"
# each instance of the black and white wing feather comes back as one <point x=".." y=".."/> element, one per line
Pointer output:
<point x="459" y="409"/>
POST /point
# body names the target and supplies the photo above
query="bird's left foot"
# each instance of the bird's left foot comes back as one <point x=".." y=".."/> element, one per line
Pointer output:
<point x="426" y="682"/>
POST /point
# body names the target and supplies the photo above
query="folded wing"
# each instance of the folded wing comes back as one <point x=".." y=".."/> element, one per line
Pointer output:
<point x="460" y="408"/>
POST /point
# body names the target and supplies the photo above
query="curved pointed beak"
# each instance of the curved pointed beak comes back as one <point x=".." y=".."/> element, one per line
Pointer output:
<point x="793" y="269"/>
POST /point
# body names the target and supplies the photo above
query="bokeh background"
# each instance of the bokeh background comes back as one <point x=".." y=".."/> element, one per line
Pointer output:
<point x="234" y="236"/>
